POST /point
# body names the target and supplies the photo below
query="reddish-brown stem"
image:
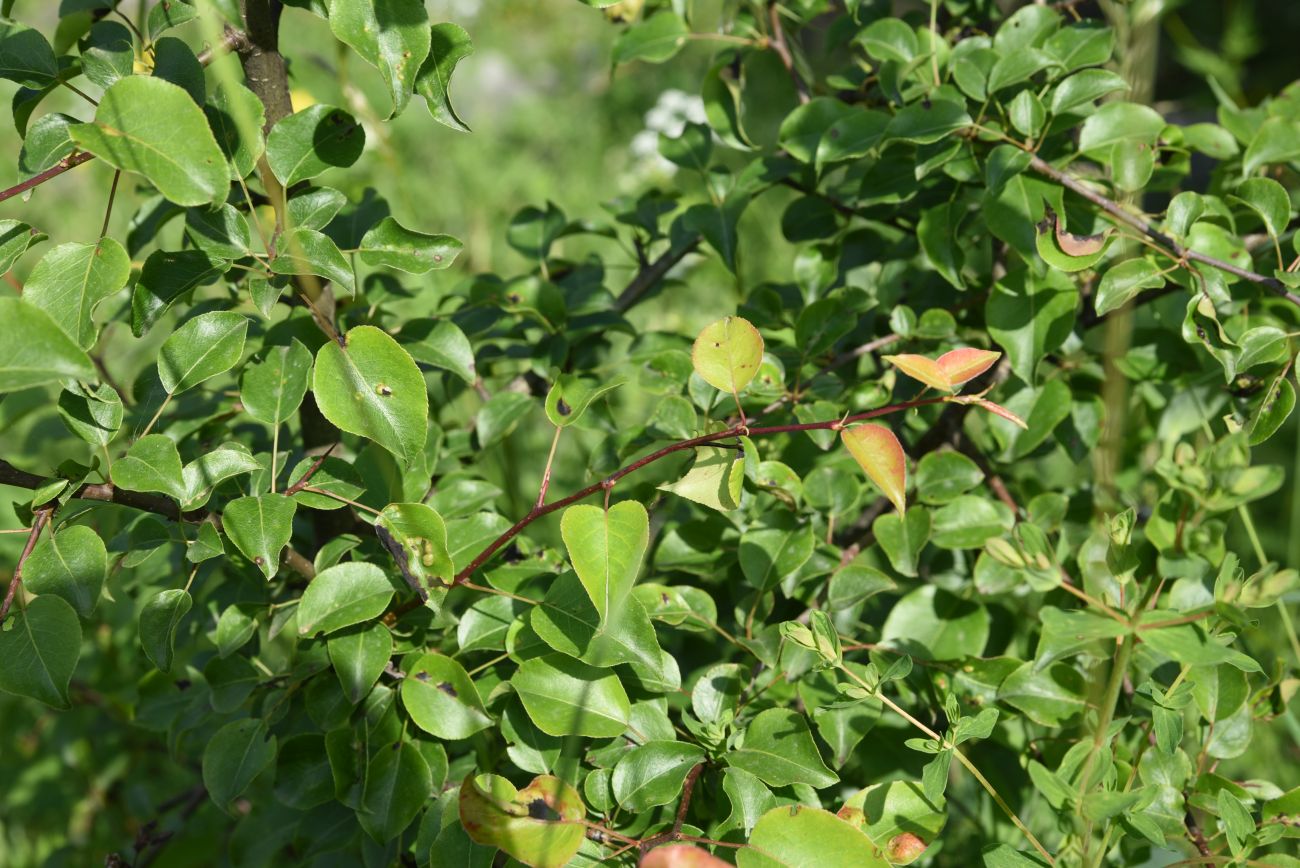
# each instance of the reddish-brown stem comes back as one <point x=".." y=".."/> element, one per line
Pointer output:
<point x="311" y="471"/>
<point x="69" y="162"/>
<point x="610" y="481"/>
<point x="38" y="524"/>
<point x="688" y="789"/>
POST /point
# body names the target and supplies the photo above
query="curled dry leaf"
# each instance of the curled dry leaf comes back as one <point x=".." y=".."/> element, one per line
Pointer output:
<point x="681" y="856"/>
<point x="965" y="364"/>
<point x="1077" y="245"/>
<point x="924" y="369"/>
<point x="880" y="454"/>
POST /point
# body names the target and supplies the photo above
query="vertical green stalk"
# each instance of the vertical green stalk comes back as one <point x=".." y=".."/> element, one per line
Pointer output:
<point x="1106" y="716"/>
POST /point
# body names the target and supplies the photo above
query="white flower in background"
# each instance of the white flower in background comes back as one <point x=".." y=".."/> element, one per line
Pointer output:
<point x="453" y="10"/>
<point x="670" y="115"/>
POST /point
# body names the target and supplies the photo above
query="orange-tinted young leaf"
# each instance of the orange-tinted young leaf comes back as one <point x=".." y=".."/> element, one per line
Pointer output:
<point x="881" y="455"/>
<point x="1002" y="411"/>
<point x="681" y="856"/>
<point x="923" y="369"/>
<point x="967" y="363"/>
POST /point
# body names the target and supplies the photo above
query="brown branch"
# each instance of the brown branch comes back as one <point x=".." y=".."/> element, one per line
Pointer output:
<point x="311" y="471"/>
<point x="651" y="274"/>
<point x="675" y="833"/>
<point x="1181" y="253"/>
<point x="42" y="517"/>
<point x="607" y="484"/>
<point x="777" y="43"/>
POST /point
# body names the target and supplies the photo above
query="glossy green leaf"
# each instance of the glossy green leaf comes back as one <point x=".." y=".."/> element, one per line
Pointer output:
<point x="1123" y="282"/>
<point x="25" y="55"/>
<point x="565" y="697"/>
<point x="606" y="548"/>
<point x="653" y="773"/>
<point x="934" y="624"/>
<point x="93" y="414"/>
<point x="166" y="277"/>
<point x="449" y="44"/>
<point x="312" y="141"/>
<point x="439" y="343"/>
<point x="441" y="699"/>
<point x="210" y="469"/>
<point x="260" y="527"/>
<point x="398" y="783"/>
<point x="656" y="39"/>
<point x="372" y="387"/>
<point x="341" y="596"/>
<point x="234" y="756"/>
<point x="390" y="35"/>
<point x="210" y="344"/>
<point x="40" y="644"/>
<point x="36" y="350"/>
<point x="159" y="620"/>
<point x="153" y="128"/>
<point x="272" y="389"/>
<point x="779" y="750"/>
<point x="799" y="835"/>
<point x="388" y="243"/>
<point x="71" y="564"/>
<point x="151" y="464"/>
<point x="306" y="251"/>
<point x="714" y="480"/>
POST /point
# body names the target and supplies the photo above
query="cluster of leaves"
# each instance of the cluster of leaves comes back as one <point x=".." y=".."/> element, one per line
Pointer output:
<point x="291" y="557"/>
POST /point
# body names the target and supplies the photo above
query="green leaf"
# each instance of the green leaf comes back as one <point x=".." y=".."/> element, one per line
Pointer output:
<point x="606" y="548"/>
<point x="271" y="390"/>
<point x="151" y="464"/>
<point x="1049" y="247"/>
<point x="210" y="469"/>
<point x="107" y="53"/>
<point x="1123" y="282"/>
<point x="928" y="122"/>
<point x="221" y="232"/>
<point x="768" y="555"/>
<point x="390" y="244"/>
<point x="1050" y="697"/>
<point x="889" y="39"/>
<point x="234" y="756"/>
<point x="341" y="596"/>
<point x="539" y="825"/>
<point x="970" y="520"/>
<point x="1274" y="409"/>
<point x="372" y="387"/>
<point x="153" y="128"/>
<point x="398" y="784"/>
<point x="500" y="416"/>
<point x="40" y="646"/>
<point x="71" y="564"/>
<point x="1118" y="122"/>
<point x="1030" y="317"/>
<point x="94" y="415"/>
<point x="236" y="117"/>
<point x="1189" y="643"/>
<point x="779" y="750"/>
<point x="727" y="354"/>
<point x="654" y="40"/>
<point x="207" y="345"/>
<point x="25" y="55"/>
<point x="903" y="537"/>
<point x="943" y="476"/>
<point x="800" y="835"/>
<point x="440" y="343"/>
<point x="653" y="773"/>
<point x="441" y="699"/>
<point x="167" y="275"/>
<point x="449" y="45"/>
<point x="1238" y="824"/>
<point x="1079" y="90"/>
<point x="934" y="624"/>
<point x="260" y="527"/>
<point x="306" y="251"/>
<point x="1269" y="200"/>
<point x="306" y="144"/>
<point x="1276" y="141"/>
<point x="714" y="480"/>
<point x="390" y="35"/>
<point x="36" y="351"/>
<point x="16" y="238"/>
<point x="168" y="14"/>
<point x="158" y="622"/>
<point x="567" y="621"/>
<point x="895" y="815"/>
<point x="570" y="396"/>
<point x="565" y="697"/>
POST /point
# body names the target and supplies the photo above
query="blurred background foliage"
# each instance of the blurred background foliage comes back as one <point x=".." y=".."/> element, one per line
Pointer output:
<point x="552" y="122"/>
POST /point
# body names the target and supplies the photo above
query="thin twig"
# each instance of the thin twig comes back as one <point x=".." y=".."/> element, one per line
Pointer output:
<point x="778" y="44"/>
<point x="1042" y="167"/>
<point x="647" y="277"/>
<point x="42" y="517"/>
<point x="311" y="471"/>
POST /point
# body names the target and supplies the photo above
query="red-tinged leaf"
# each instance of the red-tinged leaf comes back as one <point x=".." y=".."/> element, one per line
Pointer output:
<point x="923" y="369"/>
<point x="881" y="455"/>
<point x="681" y="856"/>
<point x="967" y="363"/>
<point x="1002" y="411"/>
